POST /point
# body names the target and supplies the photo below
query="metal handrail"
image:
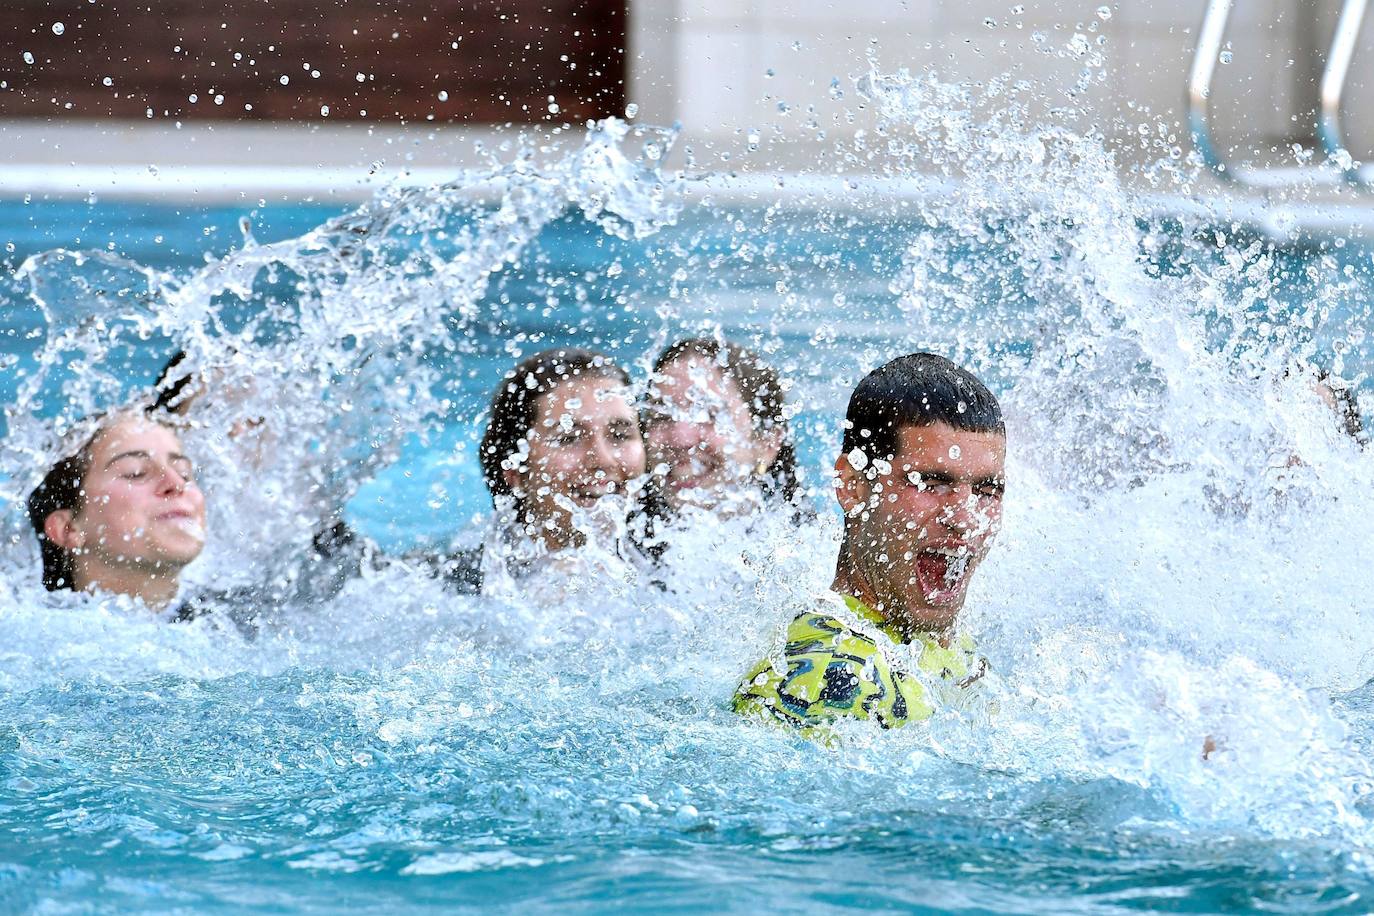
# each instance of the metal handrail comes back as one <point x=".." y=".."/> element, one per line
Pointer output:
<point x="1205" y="58"/>
<point x="1330" y="129"/>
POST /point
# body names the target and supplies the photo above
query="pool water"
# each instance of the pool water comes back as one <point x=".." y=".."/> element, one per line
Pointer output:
<point x="1165" y="574"/>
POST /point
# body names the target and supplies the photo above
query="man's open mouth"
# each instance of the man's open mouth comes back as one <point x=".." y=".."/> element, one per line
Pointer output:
<point x="942" y="574"/>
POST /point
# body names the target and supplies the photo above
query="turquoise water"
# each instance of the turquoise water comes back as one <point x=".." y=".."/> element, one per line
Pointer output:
<point x="1164" y="576"/>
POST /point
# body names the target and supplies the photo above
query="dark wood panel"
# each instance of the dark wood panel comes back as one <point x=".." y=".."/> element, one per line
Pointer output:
<point x="478" y="60"/>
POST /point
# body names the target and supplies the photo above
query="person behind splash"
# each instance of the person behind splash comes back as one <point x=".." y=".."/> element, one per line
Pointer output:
<point x="920" y="480"/>
<point x="716" y="434"/>
<point x="334" y="553"/>
<point x="123" y="515"/>
<point x="562" y="451"/>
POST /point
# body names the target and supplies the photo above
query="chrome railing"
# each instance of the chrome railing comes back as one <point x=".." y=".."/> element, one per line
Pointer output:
<point x="1330" y="128"/>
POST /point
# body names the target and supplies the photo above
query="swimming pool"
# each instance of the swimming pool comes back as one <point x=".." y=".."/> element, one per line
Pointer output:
<point x="1158" y="580"/>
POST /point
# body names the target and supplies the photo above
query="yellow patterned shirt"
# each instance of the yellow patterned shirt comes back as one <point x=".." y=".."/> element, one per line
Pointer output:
<point x="857" y="669"/>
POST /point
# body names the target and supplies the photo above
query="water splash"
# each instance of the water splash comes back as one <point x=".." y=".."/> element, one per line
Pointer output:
<point x="1168" y="572"/>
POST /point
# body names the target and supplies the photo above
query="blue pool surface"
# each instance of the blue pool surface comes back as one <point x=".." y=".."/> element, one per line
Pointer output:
<point x="376" y="755"/>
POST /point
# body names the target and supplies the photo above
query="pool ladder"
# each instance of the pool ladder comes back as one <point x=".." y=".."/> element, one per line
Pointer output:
<point x="1330" y="129"/>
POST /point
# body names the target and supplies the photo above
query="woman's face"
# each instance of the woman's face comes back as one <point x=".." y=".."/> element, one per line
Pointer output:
<point x="700" y="435"/>
<point x="142" y="508"/>
<point x="584" y="446"/>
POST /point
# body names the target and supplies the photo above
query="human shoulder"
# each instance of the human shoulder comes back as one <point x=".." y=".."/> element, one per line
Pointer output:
<point x="829" y="669"/>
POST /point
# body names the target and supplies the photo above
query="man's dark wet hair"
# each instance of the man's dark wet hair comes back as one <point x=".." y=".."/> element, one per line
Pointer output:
<point x="61" y="488"/>
<point x="761" y="390"/>
<point x="920" y="389"/>
<point x="515" y="405"/>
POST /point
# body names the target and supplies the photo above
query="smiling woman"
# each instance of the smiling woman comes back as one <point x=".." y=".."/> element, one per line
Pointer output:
<point x="563" y="433"/>
<point x="123" y="515"/>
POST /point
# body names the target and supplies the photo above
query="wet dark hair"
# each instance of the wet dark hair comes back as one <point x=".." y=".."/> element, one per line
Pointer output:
<point x="919" y="389"/>
<point x="171" y="388"/>
<point x="761" y="390"/>
<point x="516" y="402"/>
<point x="1352" y="423"/>
<point x="61" y="488"/>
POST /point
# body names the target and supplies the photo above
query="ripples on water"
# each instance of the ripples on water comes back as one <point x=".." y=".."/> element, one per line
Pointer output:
<point x="1163" y="575"/>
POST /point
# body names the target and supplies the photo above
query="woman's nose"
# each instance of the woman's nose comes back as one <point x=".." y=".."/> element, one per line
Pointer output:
<point x="684" y="433"/>
<point x="170" y="480"/>
<point x="603" y="453"/>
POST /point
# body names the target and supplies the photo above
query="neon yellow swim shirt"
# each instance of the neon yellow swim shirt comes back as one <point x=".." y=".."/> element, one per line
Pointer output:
<point x="851" y="670"/>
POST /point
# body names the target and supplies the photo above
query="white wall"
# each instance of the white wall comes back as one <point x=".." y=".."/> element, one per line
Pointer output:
<point x="705" y="62"/>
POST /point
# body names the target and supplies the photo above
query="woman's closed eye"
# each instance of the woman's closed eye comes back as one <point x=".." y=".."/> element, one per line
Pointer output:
<point x="131" y="468"/>
<point x="622" y="432"/>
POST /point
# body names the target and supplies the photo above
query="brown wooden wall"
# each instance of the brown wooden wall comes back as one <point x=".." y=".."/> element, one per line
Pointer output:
<point x="487" y="61"/>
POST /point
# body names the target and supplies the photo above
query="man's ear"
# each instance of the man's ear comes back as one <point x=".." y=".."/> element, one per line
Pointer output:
<point x="61" y="529"/>
<point x="851" y="487"/>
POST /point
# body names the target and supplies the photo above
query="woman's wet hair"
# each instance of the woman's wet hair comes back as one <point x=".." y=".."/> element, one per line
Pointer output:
<point x="1347" y="408"/>
<point x="171" y="386"/>
<point x="761" y="390"/>
<point x="515" y="405"/>
<point x="919" y="389"/>
<point x="61" y="488"/>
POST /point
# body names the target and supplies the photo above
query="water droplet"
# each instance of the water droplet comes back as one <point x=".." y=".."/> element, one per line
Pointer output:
<point x="990" y="22"/>
<point x="631" y="110"/>
<point x="1225" y="57"/>
<point x="284" y="80"/>
<point x="1104" y="13"/>
<point x="193" y="98"/>
<point x="769" y="73"/>
<point x="58" y="28"/>
<point x="28" y="57"/>
<point x="360" y="77"/>
<point x="219" y="99"/>
<point x="553" y="108"/>
<point x="324" y="111"/>
<point x="443" y="95"/>
<point x="314" y="74"/>
<point x="107" y="81"/>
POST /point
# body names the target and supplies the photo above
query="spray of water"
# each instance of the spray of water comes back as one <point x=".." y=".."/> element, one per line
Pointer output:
<point x="1182" y="566"/>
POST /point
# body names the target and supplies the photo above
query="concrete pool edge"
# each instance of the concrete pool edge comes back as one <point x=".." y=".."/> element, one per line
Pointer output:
<point x="1346" y="216"/>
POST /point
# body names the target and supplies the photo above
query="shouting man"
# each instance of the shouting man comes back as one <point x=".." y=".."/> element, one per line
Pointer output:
<point x="920" y="480"/>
